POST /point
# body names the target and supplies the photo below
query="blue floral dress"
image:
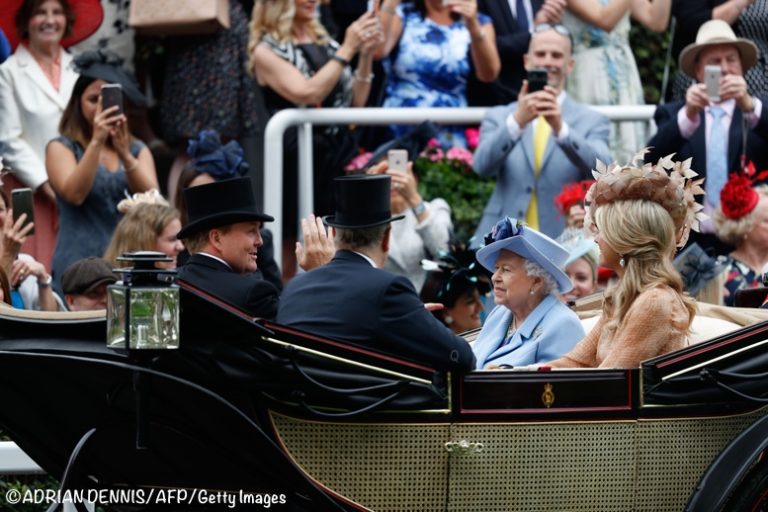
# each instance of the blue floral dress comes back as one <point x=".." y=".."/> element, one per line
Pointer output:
<point x="738" y="277"/>
<point x="430" y="68"/>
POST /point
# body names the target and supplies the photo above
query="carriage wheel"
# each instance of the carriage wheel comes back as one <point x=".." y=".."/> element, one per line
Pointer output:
<point x="752" y="494"/>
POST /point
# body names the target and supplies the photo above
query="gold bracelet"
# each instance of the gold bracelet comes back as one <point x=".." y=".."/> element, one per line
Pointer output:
<point x="363" y="80"/>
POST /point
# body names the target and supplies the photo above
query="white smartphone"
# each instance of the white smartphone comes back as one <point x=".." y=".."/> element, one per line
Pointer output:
<point x="398" y="160"/>
<point x="712" y="81"/>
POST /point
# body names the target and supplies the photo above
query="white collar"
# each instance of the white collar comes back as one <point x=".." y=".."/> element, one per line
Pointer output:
<point x="215" y="258"/>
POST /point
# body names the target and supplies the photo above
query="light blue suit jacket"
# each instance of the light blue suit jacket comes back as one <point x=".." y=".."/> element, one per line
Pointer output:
<point x="550" y="331"/>
<point x="511" y="163"/>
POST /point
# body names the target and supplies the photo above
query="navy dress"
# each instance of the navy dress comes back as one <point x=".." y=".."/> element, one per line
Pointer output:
<point x="86" y="230"/>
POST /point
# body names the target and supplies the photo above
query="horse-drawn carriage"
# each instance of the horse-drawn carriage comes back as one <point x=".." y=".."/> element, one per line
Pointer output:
<point x="251" y="406"/>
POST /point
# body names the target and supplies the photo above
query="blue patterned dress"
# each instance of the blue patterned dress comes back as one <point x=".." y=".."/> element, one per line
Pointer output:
<point x="430" y="68"/>
<point x="605" y="73"/>
<point x="86" y="230"/>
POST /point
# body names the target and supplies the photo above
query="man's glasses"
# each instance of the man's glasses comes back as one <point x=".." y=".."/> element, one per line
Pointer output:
<point x="557" y="27"/>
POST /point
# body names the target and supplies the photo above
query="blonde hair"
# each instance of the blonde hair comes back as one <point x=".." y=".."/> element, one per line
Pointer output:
<point x="732" y="231"/>
<point x="275" y="18"/>
<point x="643" y="233"/>
<point x="138" y="230"/>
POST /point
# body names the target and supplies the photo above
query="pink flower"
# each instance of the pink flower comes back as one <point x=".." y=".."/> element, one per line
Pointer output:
<point x="473" y="137"/>
<point x="435" y="155"/>
<point x="460" y="154"/>
<point x="433" y="143"/>
<point x="358" y="162"/>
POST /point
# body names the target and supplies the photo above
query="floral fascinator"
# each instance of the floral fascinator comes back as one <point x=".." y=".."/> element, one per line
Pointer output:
<point x="572" y="194"/>
<point x="738" y="197"/>
<point x="151" y="196"/>
<point x="209" y="156"/>
<point x="668" y="183"/>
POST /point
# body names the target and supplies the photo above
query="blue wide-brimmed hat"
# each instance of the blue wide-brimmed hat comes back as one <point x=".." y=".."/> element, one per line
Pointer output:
<point x="582" y="247"/>
<point x="529" y="244"/>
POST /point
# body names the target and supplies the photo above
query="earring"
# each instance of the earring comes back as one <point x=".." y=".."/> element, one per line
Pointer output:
<point x="448" y="319"/>
<point x="622" y="262"/>
<point x="531" y="292"/>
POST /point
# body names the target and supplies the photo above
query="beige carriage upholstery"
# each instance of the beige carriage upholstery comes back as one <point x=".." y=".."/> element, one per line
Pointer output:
<point x="28" y="314"/>
<point x="710" y="322"/>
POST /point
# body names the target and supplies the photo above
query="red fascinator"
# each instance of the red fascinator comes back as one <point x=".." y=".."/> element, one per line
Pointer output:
<point x="571" y="194"/>
<point x="738" y="198"/>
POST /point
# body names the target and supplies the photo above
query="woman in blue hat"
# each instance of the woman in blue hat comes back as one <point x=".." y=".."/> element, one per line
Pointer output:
<point x="529" y="324"/>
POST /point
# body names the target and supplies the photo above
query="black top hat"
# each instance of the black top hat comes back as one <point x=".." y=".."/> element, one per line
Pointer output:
<point x="219" y="204"/>
<point x="362" y="201"/>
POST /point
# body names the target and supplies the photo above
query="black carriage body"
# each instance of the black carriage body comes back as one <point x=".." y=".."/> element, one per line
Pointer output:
<point x="255" y="406"/>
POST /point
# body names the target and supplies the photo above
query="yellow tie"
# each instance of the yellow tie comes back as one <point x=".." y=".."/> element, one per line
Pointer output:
<point x="540" y="138"/>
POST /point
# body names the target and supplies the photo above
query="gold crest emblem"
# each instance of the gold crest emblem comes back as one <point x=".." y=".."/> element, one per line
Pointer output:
<point x="548" y="396"/>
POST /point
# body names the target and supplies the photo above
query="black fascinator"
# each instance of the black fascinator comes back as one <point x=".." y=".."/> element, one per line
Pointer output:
<point x="103" y="64"/>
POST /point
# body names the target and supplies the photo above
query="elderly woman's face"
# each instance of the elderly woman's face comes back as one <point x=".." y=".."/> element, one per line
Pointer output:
<point x="511" y="284"/>
<point x="580" y="273"/>
<point x="48" y="23"/>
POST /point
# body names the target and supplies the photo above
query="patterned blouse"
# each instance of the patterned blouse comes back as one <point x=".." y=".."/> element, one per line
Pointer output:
<point x="738" y="277"/>
<point x="308" y="58"/>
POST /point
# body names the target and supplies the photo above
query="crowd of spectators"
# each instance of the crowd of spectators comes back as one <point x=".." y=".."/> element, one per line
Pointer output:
<point x="83" y="157"/>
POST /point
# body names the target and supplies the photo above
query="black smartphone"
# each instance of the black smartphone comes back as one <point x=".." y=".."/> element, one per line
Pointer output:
<point x="21" y="200"/>
<point x="537" y="79"/>
<point x="111" y="95"/>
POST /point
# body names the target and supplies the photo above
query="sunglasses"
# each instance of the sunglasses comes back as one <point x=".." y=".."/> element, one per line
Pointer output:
<point x="557" y="27"/>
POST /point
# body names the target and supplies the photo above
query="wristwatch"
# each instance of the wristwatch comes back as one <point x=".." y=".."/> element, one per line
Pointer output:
<point x="419" y="208"/>
<point x="45" y="283"/>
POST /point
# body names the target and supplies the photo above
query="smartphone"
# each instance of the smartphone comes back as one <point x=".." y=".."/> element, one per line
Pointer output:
<point x="111" y="95"/>
<point x="712" y="81"/>
<point x="21" y="200"/>
<point x="537" y="79"/>
<point x="398" y="160"/>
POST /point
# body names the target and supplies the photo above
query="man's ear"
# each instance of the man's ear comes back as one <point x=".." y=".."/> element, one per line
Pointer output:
<point x="214" y="238"/>
<point x="69" y="301"/>
<point x="385" y="239"/>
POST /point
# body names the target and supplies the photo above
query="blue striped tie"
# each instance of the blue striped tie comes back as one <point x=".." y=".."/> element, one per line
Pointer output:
<point x="717" y="157"/>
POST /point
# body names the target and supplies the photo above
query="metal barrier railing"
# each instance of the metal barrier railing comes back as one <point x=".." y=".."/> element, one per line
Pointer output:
<point x="305" y="119"/>
<point x="13" y="461"/>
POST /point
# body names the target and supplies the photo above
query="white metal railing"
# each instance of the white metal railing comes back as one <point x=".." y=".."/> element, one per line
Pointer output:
<point x="13" y="461"/>
<point x="305" y="119"/>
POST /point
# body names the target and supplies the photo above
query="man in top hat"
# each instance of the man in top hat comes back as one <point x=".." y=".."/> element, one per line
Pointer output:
<point x="222" y="236"/>
<point x="711" y="127"/>
<point x="351" y="299"/>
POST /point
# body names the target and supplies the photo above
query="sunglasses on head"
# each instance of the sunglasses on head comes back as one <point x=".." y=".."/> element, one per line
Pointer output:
<point x="557" y="27"/>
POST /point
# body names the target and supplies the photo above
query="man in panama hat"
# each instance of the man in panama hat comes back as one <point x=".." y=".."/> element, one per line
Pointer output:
<point x="223" y="236"/>
<point x="352" y="299"/>
<point x="718" y="126"/>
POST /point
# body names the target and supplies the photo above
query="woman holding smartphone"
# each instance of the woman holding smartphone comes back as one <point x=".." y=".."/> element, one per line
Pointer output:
<point x="94" y="162"/>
